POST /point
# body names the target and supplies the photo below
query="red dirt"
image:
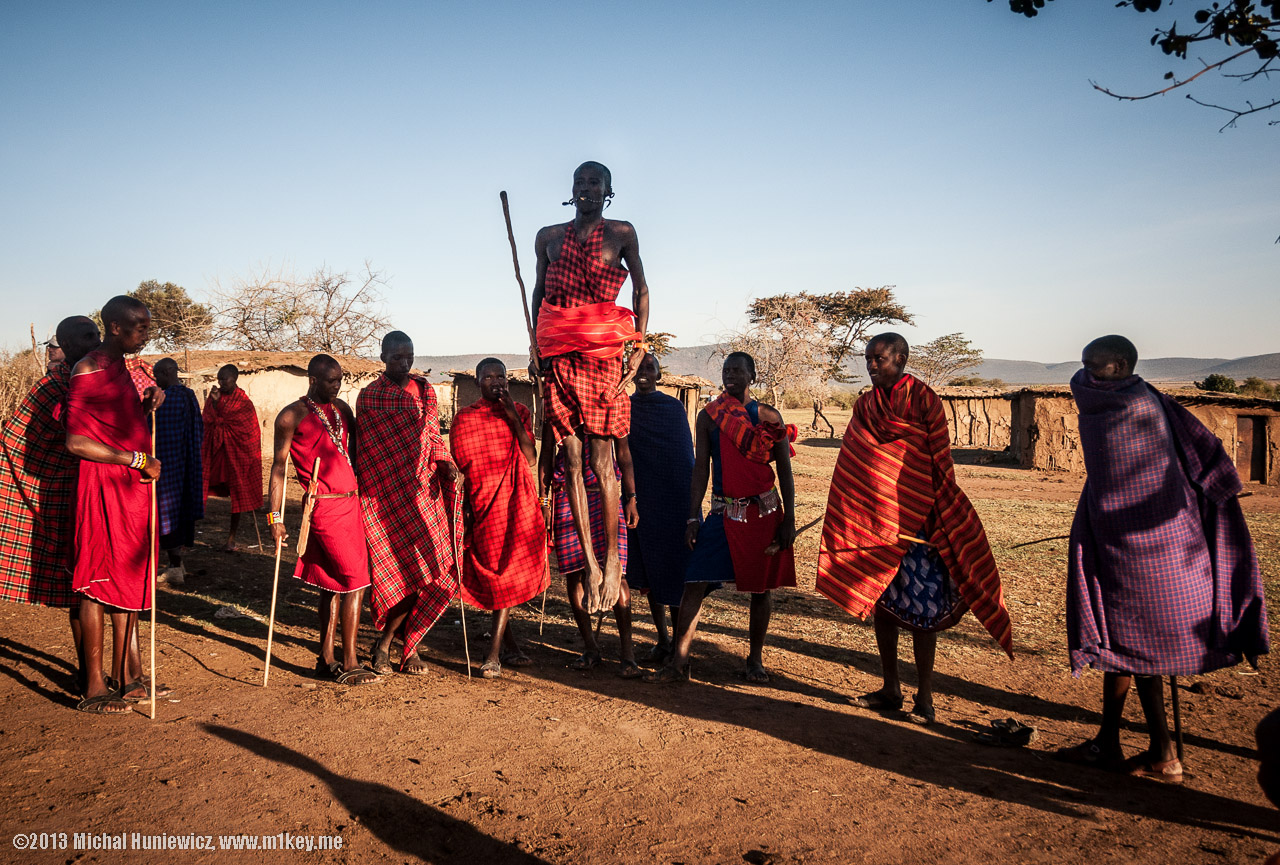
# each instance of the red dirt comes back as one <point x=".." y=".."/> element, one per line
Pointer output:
<point x="550" y="765"/>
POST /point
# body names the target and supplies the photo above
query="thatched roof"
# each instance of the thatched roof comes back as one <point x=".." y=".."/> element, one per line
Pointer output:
<point x="208" y="362"/>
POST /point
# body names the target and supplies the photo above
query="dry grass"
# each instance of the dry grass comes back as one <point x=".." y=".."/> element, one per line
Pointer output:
<point x="18" y="372"/>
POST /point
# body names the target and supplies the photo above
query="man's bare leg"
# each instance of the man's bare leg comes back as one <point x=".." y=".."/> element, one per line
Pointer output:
<point x="602" y="463"/>
<point x="575" y="588"/>
<point x="231" y="533"/>
<point x="91" y="624"/>
<point x="328" y="626"/>
<point x="924" y="646"/>
<point x="77" y="639"/>
<point x="499" y="631"/>
<point x="1151" y="695"/>
<point x="890" y="694"/>
<point x="761" y="610"/>
<point x="622" y="613"/>
<point x="396" y="617"/>
<point x="575" y="488"/>
<point x="686" y="624"/>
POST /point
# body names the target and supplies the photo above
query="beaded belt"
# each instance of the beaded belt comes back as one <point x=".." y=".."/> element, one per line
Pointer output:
<point x="736" y="509"/>
<point x="345" y="495"/>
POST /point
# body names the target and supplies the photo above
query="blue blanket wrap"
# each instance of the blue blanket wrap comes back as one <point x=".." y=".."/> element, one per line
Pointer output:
<point x="1162" y="577"/>
<point x="662" y="459"/>
<point x="180" y="490"/>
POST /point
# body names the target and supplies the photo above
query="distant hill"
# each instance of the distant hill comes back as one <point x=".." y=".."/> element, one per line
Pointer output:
<point x="703" y="360"/>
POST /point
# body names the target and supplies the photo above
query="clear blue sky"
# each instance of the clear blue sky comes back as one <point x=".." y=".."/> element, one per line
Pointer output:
<point x="950" y="148"/>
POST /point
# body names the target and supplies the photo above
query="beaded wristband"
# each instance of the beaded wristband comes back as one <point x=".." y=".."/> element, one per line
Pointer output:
<point x="139" y="461"/>
<point x="275" y="518"/>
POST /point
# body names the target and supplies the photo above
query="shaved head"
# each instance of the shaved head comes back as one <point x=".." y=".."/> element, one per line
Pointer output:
<point x="1115" y="348"/>
<point x="895" y="342"/>
<point x="489" y="361"/>
<point x="118" y="308"/>
<point x="230" y="370"/>
<point x="591" y="165"/>
<point x="77" y="336"/>
<point x="166" y="372"/>
<point x="394" y="340"/>
<point x="321" y="364"/>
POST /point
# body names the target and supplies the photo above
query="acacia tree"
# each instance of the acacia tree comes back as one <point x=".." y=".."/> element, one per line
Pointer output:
<point x="177" y="321"/>
<point x="1243" y="32"/>
<point x="787" y="339"/>
<point x="272" y="310"/>
<point x="846" y="320"/>
<point x="943" y="358"/>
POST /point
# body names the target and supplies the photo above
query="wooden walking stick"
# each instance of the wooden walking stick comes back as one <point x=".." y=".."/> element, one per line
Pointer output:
<point x="533" y="353"/>
<point x="275" y="580"/>
<point x="257" y="530"/>
<point x="1177" y="717"/>
<point x="457" y="560"/>
<point x="153" y="520"/>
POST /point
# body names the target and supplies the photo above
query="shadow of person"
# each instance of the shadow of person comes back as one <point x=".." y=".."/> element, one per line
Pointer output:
<point x="400" y="821"/>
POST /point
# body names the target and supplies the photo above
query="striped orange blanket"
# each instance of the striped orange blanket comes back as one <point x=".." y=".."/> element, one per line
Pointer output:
<point x="894" y="476"/>
<point x="598" y="330"/>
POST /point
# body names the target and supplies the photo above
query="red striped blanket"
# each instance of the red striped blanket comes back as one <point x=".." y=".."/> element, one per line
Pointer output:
<point x="597" y="330"/>
<point x="894" y="474"/>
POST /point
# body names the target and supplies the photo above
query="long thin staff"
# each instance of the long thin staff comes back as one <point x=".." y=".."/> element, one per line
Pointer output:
<point x="151" y="550"/>
<point x="457" y="563"/>
<point x="257" y="530"/>
<point x="275" y="580"/>
<point x="1177" y="717"/>
<point x="533" y="350"/>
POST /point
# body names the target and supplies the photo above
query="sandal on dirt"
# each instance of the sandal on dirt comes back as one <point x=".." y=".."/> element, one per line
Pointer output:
<point x="98" y="705"/>
<point x="630" y="670"/>
<point x="358" y="676"/>
<point x="667" y="675"/>
<point x="417" y="669"/>
<point x="491" y="670"/>
<point x="586" y="661"/>
<point x="1005" y="737"/>
<point x="755" y="674"/>
<point x="1165" y="771"/>
<point x="380" y="661"/>
<point x="922" y="715"/>
<point x="878" y="700"/>
<point x="137" y="692"/>
<point x="516" y="659"/>
<point x="1089" y="754"/>
<point x="656" y="657"/>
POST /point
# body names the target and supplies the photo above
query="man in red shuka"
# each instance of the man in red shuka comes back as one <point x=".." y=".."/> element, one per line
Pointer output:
<point x="232" y="448"/>
<point x="581" y="333"/>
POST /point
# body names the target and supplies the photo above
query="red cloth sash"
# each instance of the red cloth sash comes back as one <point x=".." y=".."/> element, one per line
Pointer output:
<point x="894" y="476"/>
<point x="505" y="563"/>
<point x="406" y="514"/>
<point x="232" y="449"/>
<point x="113" y="506"/>
<point x="744" y="472"/>
<point x="598" y="330"/>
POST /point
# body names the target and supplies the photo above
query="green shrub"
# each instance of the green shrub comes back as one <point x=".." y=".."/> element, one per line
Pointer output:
<point x="1256" y="387"/>
<point x="1218" y="383"/>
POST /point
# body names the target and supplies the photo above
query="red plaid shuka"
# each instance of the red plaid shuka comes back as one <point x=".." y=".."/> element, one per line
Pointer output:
<point x="141" y="372"/>
<point x="506" y="543"/>
<point x="753" y="441"/>
<point x="113" y="507"/>
<point x="406" y="518"/>
<point x="894" y="474"/>
<point x="232" y="450"/>
<point x="37" y="489"/>
<point x="579" y="393"/>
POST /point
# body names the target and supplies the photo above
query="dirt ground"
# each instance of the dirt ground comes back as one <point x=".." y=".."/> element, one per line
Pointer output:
<point x="552" y="765"/>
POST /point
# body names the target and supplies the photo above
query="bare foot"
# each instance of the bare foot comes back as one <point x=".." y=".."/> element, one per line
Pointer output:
<point x="612" y="587"/>
<point x="231" y="547"/>
<point x="591" y="581"/>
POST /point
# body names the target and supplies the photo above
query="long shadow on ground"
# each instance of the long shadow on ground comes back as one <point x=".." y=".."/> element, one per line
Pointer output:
<point x="408" y="826"/>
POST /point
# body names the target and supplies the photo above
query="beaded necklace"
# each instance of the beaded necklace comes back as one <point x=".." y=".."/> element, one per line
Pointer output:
<point x="334" y="435"/>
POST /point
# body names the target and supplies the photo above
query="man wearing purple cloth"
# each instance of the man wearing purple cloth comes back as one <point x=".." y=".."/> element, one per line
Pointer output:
<point x="1162" y="577"/>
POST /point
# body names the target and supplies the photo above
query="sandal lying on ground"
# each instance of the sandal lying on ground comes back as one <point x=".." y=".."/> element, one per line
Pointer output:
<point x="491" y="670"/>
<point x="98" y="705"/>
<point x="1090" y="753"/>
<point x="1008" y="733"/>
<point x="1165" y="771"/>
<point x="630" y="670"/>
<point x="878" y="700"/>
<point x="667" y="675"/>
<point x="586" y="661"/>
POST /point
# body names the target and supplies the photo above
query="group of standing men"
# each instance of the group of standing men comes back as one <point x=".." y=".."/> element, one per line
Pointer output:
<point x="1163" y="577"/>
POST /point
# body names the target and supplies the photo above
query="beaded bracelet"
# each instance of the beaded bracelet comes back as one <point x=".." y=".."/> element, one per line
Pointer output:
<point x="139" y="461"/>
<point x="545" y="500"/>
<point x="275" y="518"/>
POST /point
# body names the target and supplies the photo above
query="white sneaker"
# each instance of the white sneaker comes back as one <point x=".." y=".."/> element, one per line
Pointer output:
<point x="174" y="576"/>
